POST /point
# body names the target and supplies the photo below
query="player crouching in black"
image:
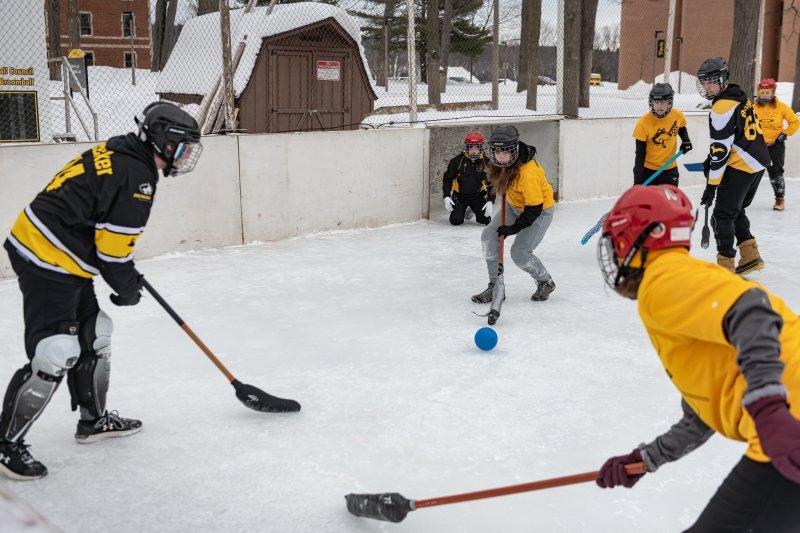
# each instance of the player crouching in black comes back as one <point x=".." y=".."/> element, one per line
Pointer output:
<point x="464" y="184"/>
<point x="85" y="222"/>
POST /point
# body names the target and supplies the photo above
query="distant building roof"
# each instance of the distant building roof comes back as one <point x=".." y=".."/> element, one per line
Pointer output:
<point x="196" y="61"/>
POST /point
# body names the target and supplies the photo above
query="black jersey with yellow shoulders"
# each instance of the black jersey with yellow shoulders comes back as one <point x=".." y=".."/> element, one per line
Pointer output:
<point x="89" y="217"/>
<point x="736" y="137"/>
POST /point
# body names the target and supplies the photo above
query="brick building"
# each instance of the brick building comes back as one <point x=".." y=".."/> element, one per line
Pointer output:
<point x="109" y="29"/>
<point x="703" y="29"/>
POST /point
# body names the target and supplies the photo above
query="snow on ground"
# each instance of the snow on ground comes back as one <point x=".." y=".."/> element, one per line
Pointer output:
<point x="371" y="330"/>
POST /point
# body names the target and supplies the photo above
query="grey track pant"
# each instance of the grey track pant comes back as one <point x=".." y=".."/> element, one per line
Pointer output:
<point x="525" y="242"/>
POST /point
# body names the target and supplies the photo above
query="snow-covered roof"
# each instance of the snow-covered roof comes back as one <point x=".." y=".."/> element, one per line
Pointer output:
<point x="196" y="61"/>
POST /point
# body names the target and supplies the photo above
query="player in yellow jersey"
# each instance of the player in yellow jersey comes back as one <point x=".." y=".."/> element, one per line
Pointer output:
<point x="85" y="223"/>
<point x="777" y="121"/>
<point x="656" y="136"/>
<point x="730" y="347"/>
<point x="515" y="175"/>
<point x="734" y="166"/>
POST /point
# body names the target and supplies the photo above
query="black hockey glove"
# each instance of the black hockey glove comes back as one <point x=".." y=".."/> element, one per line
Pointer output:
<point x="120" y="300"/>
<point x="132" y="298"/>
<point x="708" y="195"/>
<point x="781" y="138"/>
<point x="707" y="166"/>
<point x="507" y="231"/>
<point x="686" y="147"/>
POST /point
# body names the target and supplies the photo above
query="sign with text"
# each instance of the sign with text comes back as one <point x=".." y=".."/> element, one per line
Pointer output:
<point x="329" y="70"/>
<point x="19" y="116"/>
<point x="660" y="48"/>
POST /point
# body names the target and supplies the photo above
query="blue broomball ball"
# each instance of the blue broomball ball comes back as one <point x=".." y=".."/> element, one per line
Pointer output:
<point x="486" y="339"/>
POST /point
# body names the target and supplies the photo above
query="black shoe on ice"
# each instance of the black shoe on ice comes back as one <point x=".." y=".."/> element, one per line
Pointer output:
<point x="107" y="426"/>
<point x="543" y="290"/>
<point x="17" y="462"/>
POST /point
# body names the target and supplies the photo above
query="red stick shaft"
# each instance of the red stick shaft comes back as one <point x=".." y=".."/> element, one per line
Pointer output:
<point x="632" y="469"/>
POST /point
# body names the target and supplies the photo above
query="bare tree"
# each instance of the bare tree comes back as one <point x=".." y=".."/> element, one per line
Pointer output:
<point x="54" y="37"/>
<point x="531" y="76"/>
<point x="547" y="34"/>
<point x="73" y="25"/>
<point x="433" y="52"/>
<point x="794" y="10"/>
<point x="207" y="6"/>
<point x="164" y="33"/>
<point x="447" y="22"/>
<point x="743" y="46"/>
<point x="588" y="15"/>
<point x="572" y="56"/>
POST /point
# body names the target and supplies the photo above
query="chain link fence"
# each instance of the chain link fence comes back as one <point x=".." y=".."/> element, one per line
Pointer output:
<point x="81" y="69"/>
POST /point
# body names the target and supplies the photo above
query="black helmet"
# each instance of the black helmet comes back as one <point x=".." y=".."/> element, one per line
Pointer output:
<point x="504" y="138"/>
<point x="174" y="135"/>
<point x="661" y="92"/>
<point x="714" y="70"/>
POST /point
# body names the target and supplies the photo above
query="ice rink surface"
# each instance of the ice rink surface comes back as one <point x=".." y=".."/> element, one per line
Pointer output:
<point x="371" y="330"/>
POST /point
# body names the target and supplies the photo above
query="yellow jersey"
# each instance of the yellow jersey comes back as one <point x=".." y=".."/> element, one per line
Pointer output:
<point x="771" y="118"/>
<point x="661" y="136"/>
<point x="683" y="302"/>
<point x="530" y="188"/>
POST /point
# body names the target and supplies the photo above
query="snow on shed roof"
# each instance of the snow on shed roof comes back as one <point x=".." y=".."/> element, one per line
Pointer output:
<point x="196" y="61"/>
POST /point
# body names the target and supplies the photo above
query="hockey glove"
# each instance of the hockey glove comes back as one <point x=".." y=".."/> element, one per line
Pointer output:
<point x="507" y="231"/>
<point x="487" y="209"/>
<point x="708" y="195"/>
<point x="612" y="473"/>
<point x="707" y="166"/>
<point x="779" y="433"/>
<point x="781" y="138"/>
<point x="686" y="147"/>
<point x="448" y="203"/>
<point x="120" y="300"/>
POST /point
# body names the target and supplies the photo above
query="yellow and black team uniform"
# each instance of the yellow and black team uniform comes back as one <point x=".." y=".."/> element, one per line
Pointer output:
<point x="735" y="164"/>
<point x="84" y="223"/>
<point x="771" y="117"/>
<point x="656" y="142"/>
<point x="465" y="181"/>
<point x="726" y="342"/>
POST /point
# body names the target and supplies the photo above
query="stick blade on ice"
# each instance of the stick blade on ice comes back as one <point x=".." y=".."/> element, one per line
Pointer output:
<point x="258" y="400"/>
<point x="389" y="506"/>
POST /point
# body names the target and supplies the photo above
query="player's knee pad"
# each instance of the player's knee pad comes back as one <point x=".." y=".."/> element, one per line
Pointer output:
<point x="32" y="387"/>
<point x="90" y="378"/>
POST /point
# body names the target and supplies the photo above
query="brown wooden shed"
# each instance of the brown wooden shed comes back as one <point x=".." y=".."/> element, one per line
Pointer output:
<point x="312" y="76"/>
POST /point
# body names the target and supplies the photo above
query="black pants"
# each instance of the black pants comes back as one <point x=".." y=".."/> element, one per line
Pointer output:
<point x="754" y="498"/>
<point x="734" y="195"/>
<point x="777" y="153"/>
<point x="474" y="201"/>
<point x="48" y="304"/>
<point x="667" y="177"/>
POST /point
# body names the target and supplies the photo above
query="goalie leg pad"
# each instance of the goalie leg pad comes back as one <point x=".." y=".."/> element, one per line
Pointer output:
<point x="90" y="378"/>
<point x="33" y="385"/>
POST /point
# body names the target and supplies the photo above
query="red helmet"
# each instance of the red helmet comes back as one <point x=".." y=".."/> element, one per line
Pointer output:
<point x="473" y="137"/>
<point x="766" y="91"/>
<point x="768" y="83"/>
<point x="645" y="218"/>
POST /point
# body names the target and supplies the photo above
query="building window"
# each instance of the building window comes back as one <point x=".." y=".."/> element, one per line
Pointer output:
<point x="86" y="23"/>
<point x="127" y="24"/>
<point x="130" y="60"/>
<point x="89" y="58"/>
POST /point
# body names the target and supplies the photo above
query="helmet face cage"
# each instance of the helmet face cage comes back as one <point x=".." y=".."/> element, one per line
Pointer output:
<point x="714" y="70"/>
<point x="494" y="151"/>
<point x="661" y="92"/>
<point x="654" y="99"/>
<point x="473" y="139"/>
<point x="766" y="91"/>
<point x="173" y="134"/>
